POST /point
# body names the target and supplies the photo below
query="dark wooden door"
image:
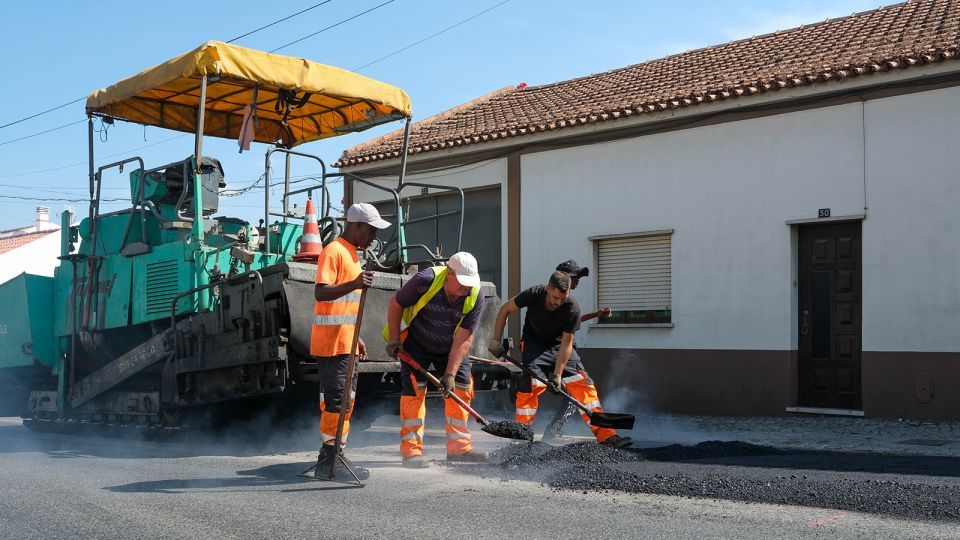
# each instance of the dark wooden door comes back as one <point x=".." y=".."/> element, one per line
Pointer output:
<point x="829" y="318"/>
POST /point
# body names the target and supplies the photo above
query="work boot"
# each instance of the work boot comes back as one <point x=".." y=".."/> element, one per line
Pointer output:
<point x="415" y="462"/>
<point x="473" y="456"/>
<point x="617" y="441"/>
<point x="340" y="470"/>
<point x="324" y="456"/>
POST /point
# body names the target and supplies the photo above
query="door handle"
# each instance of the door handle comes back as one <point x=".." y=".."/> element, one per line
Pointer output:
<point x="805" y="323"/>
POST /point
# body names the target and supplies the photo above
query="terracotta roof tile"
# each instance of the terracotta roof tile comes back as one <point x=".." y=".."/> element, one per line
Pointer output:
<point x="13" y="242"/>
<point x="893" y="37"/>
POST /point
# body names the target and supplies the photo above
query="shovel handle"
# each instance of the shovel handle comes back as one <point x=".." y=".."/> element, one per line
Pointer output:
<point x="562" y="392"/>
<point x="408" y="360"/>
<point x="488" y="361"/>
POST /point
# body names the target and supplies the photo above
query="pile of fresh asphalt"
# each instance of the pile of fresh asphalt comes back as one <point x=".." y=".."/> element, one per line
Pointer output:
<point x="730" y="470"/>
<point x="539" y="455"/>
<point x="509" y="429"/>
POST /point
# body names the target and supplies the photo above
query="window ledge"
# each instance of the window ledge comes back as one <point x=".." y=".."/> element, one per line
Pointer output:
<point x="632" y="325"/>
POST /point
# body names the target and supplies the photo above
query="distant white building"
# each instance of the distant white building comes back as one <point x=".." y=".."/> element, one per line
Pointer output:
<point x="32" y="249"/>
<point x="773" y="220"/>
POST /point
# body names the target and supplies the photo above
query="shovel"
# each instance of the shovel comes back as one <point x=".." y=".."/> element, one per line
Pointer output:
<point x="489" y="362"/>
<point x="501" y="428"/>
<point x="597" y="419"/>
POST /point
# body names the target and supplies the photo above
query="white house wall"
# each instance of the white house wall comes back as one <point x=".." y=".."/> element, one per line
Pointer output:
<point x="911" y="237"/>
<point x="726" y="190"/>
<point x="38" y="257"/>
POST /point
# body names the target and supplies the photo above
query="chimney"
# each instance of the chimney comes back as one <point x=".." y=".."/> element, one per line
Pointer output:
<point x="43" y="218"/>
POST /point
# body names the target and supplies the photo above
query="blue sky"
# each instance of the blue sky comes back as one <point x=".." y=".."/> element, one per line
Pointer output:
<point x="63" y="50"/>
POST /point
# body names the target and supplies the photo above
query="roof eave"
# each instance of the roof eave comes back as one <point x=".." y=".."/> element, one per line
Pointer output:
<point x="782" y="96"/>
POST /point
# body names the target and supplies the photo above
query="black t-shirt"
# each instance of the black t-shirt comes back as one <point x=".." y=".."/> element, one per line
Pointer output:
<point x="542" y="325"/>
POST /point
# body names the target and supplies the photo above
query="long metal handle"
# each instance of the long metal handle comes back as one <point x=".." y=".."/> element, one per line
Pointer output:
<point x="351" y="366"/>
<point x="407" y="359"/>
<point x="489" y="361"/>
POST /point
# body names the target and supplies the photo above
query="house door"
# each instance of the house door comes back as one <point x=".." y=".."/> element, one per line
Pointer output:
<point x="829" y="318"/>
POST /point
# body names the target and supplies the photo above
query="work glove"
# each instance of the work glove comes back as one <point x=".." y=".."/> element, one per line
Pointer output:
<point x="496" y="348"/>
<point x="447" y="384"/>
<point x="554" y="383"/>
<point x="393" y="349"/>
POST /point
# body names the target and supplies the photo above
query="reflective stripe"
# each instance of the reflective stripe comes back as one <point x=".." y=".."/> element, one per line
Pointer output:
<point x="353" y="296"/>
<point x="325" y="437"/>
<point x="457" y="435"/>
<point x="334" y="320"/>
<point x="526" y="412"/>
<point x="535" y="382"/>
<point x="315" y="238"/>
<point x="421" y="385"/>
<point x="464" y="387"/>
<point x="592" y="405"/>
<point x="457" y="422"/>
<point x="416" y="422"/>
<point x="573" y="378"/>
<point x="411" y="435"/>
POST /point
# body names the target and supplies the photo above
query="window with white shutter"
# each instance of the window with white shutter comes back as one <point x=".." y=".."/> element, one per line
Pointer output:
<point x="634" y="277"/>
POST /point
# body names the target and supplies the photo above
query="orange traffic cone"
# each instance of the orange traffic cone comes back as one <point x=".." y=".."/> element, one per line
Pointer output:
<point x="310" y="244"/>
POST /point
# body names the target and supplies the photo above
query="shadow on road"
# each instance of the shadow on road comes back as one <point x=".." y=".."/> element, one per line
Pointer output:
<point x="282" y="476"/>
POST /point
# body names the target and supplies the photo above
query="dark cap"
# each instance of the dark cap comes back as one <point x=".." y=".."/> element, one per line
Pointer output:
<point x="575" y="270"/>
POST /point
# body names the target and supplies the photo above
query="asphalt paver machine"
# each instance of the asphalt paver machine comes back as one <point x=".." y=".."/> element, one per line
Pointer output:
<point x="163" y="309"/>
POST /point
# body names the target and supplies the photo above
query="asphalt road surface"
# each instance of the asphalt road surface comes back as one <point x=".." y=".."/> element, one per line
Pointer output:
<point x="55" y="485"/>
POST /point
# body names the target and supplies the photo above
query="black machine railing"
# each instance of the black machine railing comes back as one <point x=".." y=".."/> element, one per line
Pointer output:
<point x="389" y="254"/>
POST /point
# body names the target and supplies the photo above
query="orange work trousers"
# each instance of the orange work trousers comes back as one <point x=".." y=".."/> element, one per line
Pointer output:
<point x="413" y="410"/>
<point x="333" y="378"/>
<point x="542" y="359"/>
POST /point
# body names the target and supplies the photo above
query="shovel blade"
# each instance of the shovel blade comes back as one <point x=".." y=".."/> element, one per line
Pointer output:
<point x="612" y="420"/>
<point x="509" y="430"/>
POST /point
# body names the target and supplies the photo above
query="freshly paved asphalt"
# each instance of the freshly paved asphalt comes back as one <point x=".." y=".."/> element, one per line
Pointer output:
<point x="79" y="485"/>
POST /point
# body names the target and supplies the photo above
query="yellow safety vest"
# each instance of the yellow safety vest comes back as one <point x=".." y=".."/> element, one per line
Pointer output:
<point x="439" y="276"/>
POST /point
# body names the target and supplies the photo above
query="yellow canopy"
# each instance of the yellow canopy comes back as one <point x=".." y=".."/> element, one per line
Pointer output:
<point x="338" y="101"/>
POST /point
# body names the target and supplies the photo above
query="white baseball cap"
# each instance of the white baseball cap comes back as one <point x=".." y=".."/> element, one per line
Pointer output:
<point x="366" y="213"/>
<point x="464" y="265"/>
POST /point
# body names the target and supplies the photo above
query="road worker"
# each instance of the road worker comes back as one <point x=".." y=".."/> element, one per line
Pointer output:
<point x="337" y="293"/>
<point x="554" y="430"/>
<point x="441" y="307"/>
<point x="552" y="319"/>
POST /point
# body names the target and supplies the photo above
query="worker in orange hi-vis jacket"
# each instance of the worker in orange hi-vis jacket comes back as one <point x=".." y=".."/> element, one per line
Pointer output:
<point x="442" y="307"/>
<point x="337" y="292"/>
<point x="552" y="318"/>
